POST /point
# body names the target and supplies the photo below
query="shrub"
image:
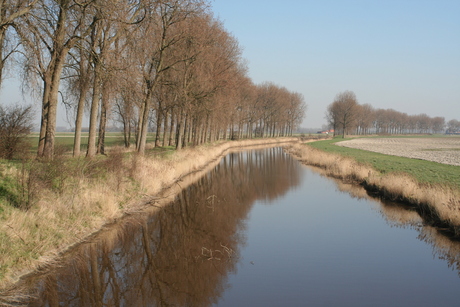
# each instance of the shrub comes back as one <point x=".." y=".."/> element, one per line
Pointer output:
<point x="15" y="125"/>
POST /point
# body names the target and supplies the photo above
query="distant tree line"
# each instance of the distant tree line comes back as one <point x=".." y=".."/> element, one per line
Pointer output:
<point x="166" y="66"/>
<point x="346" y="116"/>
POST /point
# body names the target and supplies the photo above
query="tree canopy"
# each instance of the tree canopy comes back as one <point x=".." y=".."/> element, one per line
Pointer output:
<point x="167" y="66"/>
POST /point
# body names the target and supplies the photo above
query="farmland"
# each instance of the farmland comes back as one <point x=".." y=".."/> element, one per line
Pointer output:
<point x="444" y="150"/>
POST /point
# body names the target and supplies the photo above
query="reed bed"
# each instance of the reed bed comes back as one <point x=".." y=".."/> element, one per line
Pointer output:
<point x="85" y="195"/>
<point x="439" y="204"/>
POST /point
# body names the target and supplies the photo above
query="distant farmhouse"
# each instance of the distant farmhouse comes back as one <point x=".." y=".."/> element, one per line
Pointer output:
<point x="330" y="131"/>
<point x="453" y="132"/>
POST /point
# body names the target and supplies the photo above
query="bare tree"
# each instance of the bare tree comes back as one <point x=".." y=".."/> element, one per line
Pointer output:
<point x="295" y="112"/>
<point x="438" y="124"/>
<point x="453" y="126"/>
<point x="126" y="103"/>
<point x="343" y="112"/>
<point x="48" y="33"/>
<point x="365" y="118"/>
<point x="109" y="41"/>
<point x="211" y="58"/>
<point x="83" y="87"/>
<point x="10" y="12"/>
<point x="160" y="34"/>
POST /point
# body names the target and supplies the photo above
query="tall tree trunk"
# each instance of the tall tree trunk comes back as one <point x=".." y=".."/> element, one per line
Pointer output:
<point x="206" y="129"/>
<point x="144" y="122"/>
<point x="102" y="126"/>
<point x="91" y="151"/>
<point x="79" y="123"/>
<point x="54" y="71"/>
<point x="180" y="130"/>
<point x="186" y="130"/>
<point x="84" y="88"/>
<point x="2" y="44"/>
<point x="262" y="128"/>
<point x="44" y="115"/>
<point x="171" y="129"/>
<point x="139" y="125"/>
<point x="158" y="125"/>
<point x="48" y="150"/>
<point x="126" y="120"/>
<point x="194" y="132"/>
<point x="209" y="131"/>
<point x="165" y="128"/>
<point x="79" y="118"/>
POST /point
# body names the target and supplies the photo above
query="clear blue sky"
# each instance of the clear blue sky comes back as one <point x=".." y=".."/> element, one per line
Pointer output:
<point x="399" y="54"/>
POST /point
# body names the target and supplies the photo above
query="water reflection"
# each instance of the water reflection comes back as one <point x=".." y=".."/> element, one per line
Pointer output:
<point x="403" y="216"/>
<point x="186" y="253"/>
<point x="181" y="255"/>
<point x="444" y="247"/>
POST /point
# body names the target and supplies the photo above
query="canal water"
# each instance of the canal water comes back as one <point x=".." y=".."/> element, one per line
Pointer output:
<point x="262" y="230"/>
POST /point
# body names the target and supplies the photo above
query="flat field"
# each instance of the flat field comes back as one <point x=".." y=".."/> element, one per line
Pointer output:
<point x="444" y="150"/>
<point x="403" y="155"/>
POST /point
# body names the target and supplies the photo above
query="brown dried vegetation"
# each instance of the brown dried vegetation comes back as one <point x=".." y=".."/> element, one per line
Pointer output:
<point x="84" y="195"/>
<point x="438" y="204"/>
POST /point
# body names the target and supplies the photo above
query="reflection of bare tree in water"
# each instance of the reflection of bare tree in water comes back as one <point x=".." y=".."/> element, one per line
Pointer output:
<point x="182" y="254"/>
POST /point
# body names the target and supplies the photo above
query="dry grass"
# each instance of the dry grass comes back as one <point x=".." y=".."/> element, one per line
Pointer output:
<point x="438" y="203"/>
<point x="90" y="194"/>
<point x="334" y="165"/>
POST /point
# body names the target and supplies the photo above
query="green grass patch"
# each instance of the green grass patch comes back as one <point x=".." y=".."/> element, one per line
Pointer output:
<point x="66" y="139"/>
<point x="424" y="171"/>
<point x="10" y="191"/>
<point x="164" y="152"/>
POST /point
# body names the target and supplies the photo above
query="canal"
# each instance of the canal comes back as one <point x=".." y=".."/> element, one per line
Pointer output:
<point x="262" y="230"/>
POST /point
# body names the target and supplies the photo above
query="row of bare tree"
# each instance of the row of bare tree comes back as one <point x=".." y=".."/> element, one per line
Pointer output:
<point x="162" y="65"/>
<point x="346" y="116"/>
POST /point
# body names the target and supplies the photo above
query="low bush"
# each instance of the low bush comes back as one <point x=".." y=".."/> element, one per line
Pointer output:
<point x="15" y="125"/>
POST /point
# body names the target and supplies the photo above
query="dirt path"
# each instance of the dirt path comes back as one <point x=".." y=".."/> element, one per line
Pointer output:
<point x="441" y="150"/>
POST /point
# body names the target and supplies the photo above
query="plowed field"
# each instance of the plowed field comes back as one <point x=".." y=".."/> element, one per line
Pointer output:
<point x="442" y="150"/>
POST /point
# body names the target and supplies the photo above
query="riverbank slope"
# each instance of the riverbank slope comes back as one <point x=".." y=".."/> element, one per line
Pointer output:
<point x="438" y="204"/>
<point x="85" y="195"/>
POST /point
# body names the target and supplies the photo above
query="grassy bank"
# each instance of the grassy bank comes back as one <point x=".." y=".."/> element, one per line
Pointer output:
<point x="64" y="140"/>
<point x="422" y="170"/>
<point x="47" y="207"/>
<point x="437" y="200"/>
